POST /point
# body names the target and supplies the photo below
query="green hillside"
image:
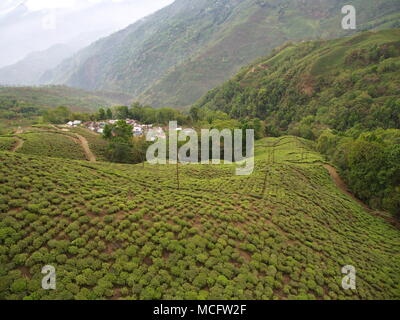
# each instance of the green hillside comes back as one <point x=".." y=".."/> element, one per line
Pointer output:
<point x="57" y="142"/>
<point x="51" y="145"/>
<point x="306" y="87"/>
<point x="174" y="56"/>
<point x="126" y="232"/>
<point x="25" y="106"/>
<point x="13" y="99"/>
<point x="345" y="93"/>
<point x="96" y="143"/>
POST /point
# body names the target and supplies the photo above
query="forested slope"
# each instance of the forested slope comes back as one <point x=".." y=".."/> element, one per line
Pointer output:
<point x="343" y="92"/>
<point x="304" y="87"/>
<point x="173" y="57"/>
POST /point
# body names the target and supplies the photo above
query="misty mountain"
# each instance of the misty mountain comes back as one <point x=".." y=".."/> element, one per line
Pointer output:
<point x="24" y="30"/>
<point x="29" y="70"/>
<point x="176" y="55"/>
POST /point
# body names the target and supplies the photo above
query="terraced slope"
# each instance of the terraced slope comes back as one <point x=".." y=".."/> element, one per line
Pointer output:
<point x="97" y="145"/>
<point x="50" y="144"/>
<point x="59" y="142"/>
<point x="7" y="143"/>
<point x="122" y="231"/>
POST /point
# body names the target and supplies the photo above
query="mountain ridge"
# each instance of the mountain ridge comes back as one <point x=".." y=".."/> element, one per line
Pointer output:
<point x="174" y="56"/>
<point x="29" y="70"/>
<point x="36" y="26"/>
<point x="308" y="84"/>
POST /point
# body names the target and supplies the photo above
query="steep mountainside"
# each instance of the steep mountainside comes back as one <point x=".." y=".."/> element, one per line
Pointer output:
<point x="176" y="55"/>
<point x="29" y="70"/>
<point x="303" y="88"/>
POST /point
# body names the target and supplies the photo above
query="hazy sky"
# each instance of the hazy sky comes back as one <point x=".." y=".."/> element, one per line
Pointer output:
<point x="35" y="5"/>
<point x="36" y="25"/>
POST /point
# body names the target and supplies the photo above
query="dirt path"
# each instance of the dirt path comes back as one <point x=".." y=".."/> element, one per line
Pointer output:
<point x="18" y="145"/>
<point x="83" y="142"/>
<point x="342" y="185"/>
<point x="85" y="145"/>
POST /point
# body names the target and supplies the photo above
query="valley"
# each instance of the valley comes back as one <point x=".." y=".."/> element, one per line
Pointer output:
<point x="175" y="56"/>
<point x="287" y="181"/>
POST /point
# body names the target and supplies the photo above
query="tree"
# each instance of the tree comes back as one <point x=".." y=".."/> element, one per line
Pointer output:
<point x="58" y="115"/>
<point x="109" y="114"/>
<point x="118" y="130"/>
<point x="139" y="149"/>
<point x="120" y="148"/>
<point x="101" y="114"/>
<point x="194" y="113"/>
<point x="122" y="112"/>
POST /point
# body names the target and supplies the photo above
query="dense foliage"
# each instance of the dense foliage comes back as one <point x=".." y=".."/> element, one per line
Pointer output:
<point x="7" y="143"/>
<point x="370" y="164"/>
<point x="123" y="147"/>
<point x="303" y="88"/>
<point x="149" y="115"/>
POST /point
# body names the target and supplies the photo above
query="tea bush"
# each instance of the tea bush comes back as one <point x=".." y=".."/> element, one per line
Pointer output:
<point x="126" y="231"/>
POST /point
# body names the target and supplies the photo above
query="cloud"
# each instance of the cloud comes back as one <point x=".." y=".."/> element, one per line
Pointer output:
<point x="40" y="24"/>
<point x="37" y="5"/>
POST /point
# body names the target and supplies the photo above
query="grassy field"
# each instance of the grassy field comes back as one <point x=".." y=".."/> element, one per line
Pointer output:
<point x="127" y="232"/>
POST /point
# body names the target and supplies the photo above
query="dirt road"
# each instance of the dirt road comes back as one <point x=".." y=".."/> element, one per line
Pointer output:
<point x="83" y="142"/>
<point x="18" y="145"/>
<point x="85" y="145"/>
<point x="342" y="185"/>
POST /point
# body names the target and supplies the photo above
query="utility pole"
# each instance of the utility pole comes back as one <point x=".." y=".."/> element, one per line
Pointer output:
<point x="273" y="155"/>
<point x="177" y="171"/>
<point x="270" y="159"/>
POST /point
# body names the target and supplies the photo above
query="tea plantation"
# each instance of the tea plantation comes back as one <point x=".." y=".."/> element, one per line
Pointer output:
<point x="57" y="142"/>
<point x="51" y="145"/>
<point x="95" y="141"/>
<point x="7" y="143"/>
<point x="127" y="232"/>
